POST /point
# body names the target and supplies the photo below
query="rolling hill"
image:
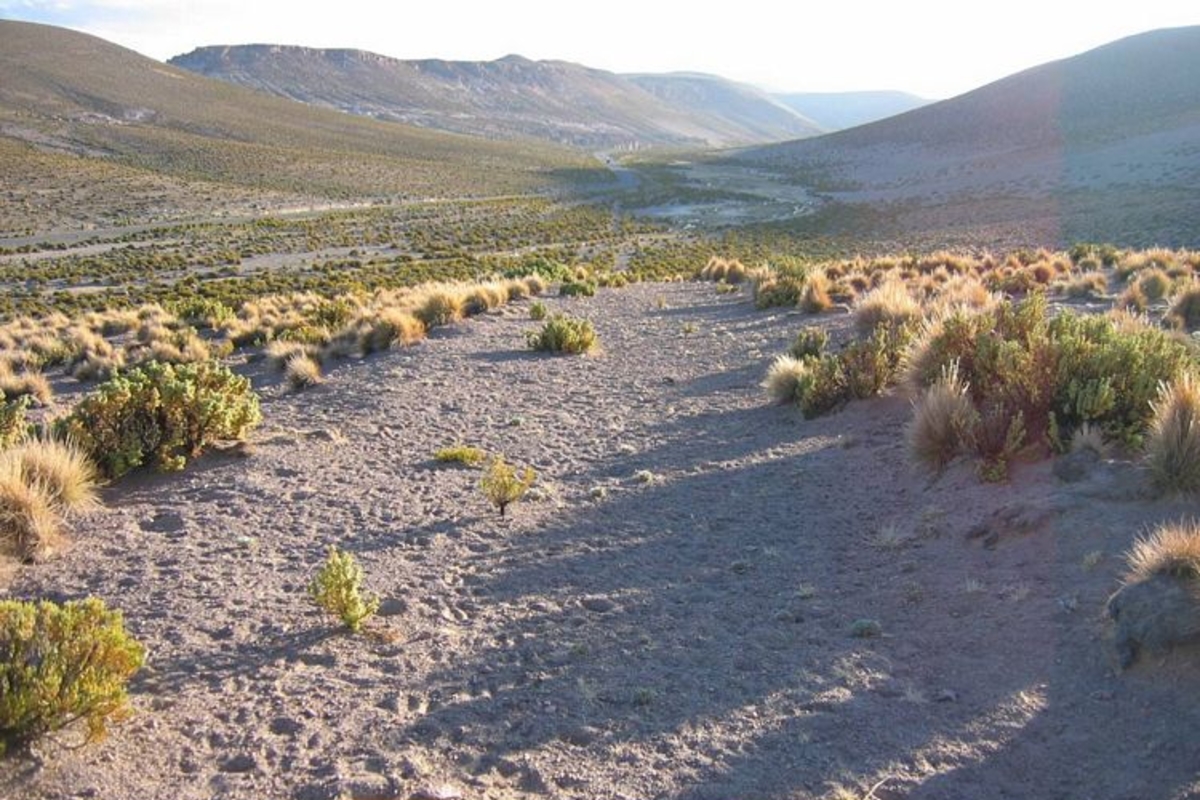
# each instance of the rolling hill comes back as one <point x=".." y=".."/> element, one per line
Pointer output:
<point x="1102" y="145"/>
<point x="835" y="111"/>
<point x="80" y="116"/>
<point x="512" y="97"/>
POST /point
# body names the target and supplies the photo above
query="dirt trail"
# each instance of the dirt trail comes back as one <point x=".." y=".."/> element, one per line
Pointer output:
<point x="670" y="618"/>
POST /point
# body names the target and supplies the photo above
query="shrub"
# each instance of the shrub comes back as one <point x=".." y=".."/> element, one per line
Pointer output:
<point x="537" y="311"/>
<point x="784" y="378"/>
<point x="61" y="470"/>
<point x="1154" y="284"/>
<point x="61" y="664"/>
<point x="563" y="334"/>
<point x="778" y="291"/>
<point x="203" y="312"/>
<point x="822" y="387"/>
<point x="30" y="528"/>
<point x="502" y="485"/>
<point x="871" y="365"/>
<point x="14" y="426"/>
<point x="161" y="413"/>
<point x="460" y="454"/>
<point x="809" y="343"/>
<point x="582" y="288"/>
<point x="337" y="590"/>
<point x="1173" y="446"/>
<point x="943" y="419"/>
<point x="1185" y="308"/>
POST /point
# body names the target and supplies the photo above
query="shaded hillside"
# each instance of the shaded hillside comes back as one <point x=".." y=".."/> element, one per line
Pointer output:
<point x="511" y="97"/>
<point x="835" y="111"/>
<point x="1100" y="145"/>
<point x="67" y="93"/>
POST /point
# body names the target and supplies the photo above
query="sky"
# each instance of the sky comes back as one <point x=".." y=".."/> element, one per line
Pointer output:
<point x="931" y="48"/>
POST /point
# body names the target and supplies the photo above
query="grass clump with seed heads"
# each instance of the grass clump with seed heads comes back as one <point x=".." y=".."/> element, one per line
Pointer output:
<point x="942" y="420"/>
<point x="1173" y="445"/>
<point x="303" y="371"/>
<point x="1172" y="549"/>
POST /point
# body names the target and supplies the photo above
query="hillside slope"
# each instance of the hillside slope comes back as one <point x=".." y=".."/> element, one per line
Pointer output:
<point x="1100" y="145"/>
<point x="68" y="94"/>
<point x="512" y="97"/>
<point x="836" y="111"/>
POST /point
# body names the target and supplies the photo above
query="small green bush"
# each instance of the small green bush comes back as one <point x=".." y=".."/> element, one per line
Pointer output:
<point x="502" y="485"/>
<point x="62" y="663"/>
<point x="577" y="289"/>
<point x="14" y="426"/>
<point x="537" y="311"/>
<point x="778" y="292"/>
<point x="822" y="388"/>
<point x="162" y="414"/>
<point x="809" y="343"/>
<point x="202" y="312"/>
<point x="337" y="589"/>
<point x="563" y="334"/>
<point x="460" y="454"/>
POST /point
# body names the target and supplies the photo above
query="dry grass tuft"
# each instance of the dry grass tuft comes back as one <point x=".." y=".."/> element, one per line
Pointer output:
<point x="942" y="420"/>
<point x="64" y="473"/>
<point x="784" y="377"/>
<point x="1173" y="445"/>
<point x="303" y="371"/>
<point x="33" y="385"/>
<point x="30" y="530"/>
<point x="1171" y="549"/>
<point x="890" y="305"/>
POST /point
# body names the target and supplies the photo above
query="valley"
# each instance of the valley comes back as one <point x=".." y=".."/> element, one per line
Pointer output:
<point x="514" y="429"/>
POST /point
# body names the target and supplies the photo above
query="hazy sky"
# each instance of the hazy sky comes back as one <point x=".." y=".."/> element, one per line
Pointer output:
<point x="935" y="49"/>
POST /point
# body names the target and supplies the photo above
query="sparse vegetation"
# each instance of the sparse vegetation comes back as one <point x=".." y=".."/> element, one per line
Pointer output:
<point x="62" y="663"/>
<point x="337" y="589"/>
<point x="563" y="334"/>
<point x="502" y="485"/>
<point x="1173" y="445"/>
<point x="161" y="414"/>
<point x="461" y="454"/>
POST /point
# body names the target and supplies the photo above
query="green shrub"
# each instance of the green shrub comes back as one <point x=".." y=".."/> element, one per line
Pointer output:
<point x="577" y="289"/>
<point x="809" y="343"/>
<point x="778" y="292"/>
<point x="502" y="485"/>
<point x="563" y="334"/>
<point x="162" y="414"/>
<point x="460" y="454"/>
<point x="62" y="663"/>
<point x="337" y="588"/>
<point x="537" y="311"/>
<point x="202" y="312"/>
<point x="822" y="388"/>
<point x="14" y="426"/>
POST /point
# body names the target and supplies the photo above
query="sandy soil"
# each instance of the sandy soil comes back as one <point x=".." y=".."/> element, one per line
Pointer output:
<point x="685" y="635"/>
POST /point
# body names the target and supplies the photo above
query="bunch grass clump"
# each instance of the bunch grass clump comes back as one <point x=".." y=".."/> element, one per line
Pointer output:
<point x="784" y="378"/>
<point x="1171" y="549"/>
<point x="62" y="663"/>
<point x="1173" y="445"/>
<point x="889" y="305"/>
<point x="943" y="420"/>
<point x="60" y="470"/>
<point x="337" y="589"/>
<point x="303" y="371"/>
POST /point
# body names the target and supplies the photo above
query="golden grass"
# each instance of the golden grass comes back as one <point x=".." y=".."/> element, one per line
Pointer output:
<point x="890" y="305"/>
<point x="783" y="378"/>
<point x="64" y="473"/>
<point x="34" y="385"/>
<point x="1171" y="549"/>
<point x="942" y="420"/>
<point x="1173" y="443"/>
<point x="30" y="530"/>
<point x="303" y="371"/>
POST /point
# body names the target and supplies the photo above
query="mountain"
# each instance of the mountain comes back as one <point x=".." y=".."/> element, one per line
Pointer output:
<point x="75" y="108"/>
<point x="835" y="111"/>
<point x="1102" y="145"/>
<point x="721" y="101"/>
<point x="512" y="97"/>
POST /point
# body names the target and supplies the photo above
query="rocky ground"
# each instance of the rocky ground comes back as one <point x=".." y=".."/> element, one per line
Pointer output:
<point x="672" y="615"/>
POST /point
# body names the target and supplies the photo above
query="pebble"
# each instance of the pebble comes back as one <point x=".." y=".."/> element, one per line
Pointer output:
<point x="599" y="605"/>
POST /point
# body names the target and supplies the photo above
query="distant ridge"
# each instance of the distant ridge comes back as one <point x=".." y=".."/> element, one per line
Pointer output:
<point x="1102" y="145"/>
<point x="836" y="111"/>
<point x="512" y="97"/>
